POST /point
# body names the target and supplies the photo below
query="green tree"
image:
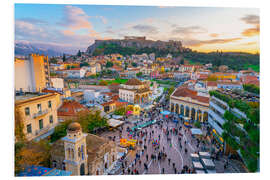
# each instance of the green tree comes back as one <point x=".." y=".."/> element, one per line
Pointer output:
<point x="84" y="64"/>
<point x="53" y="60"/>
<point x="109" y="64"/>
<point x="79" y="54"/>
<point x="134" y="64"/>
<point x="139" y="74"/>
<point x="64" y="57"/>
<point x="120" y="111"/>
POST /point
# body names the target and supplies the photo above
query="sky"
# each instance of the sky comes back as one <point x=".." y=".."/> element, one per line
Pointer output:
<point x="74" y="27"/>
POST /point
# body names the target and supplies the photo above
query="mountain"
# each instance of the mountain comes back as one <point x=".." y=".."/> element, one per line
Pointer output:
<point x="25" y="48"/>
<point x="135" y="45"/>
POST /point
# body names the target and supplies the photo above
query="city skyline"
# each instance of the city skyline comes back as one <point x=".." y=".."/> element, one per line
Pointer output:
<point x="73" y="27"/>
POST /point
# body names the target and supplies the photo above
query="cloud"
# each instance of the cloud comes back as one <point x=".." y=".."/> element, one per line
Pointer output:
<point x="75" y="18"/>
<point x="33" y="20"/>
<point x="251" y="31"/>
<point x="249" y="43"/>
<point x="197" y="43"/>
<point x="188" y="30"/>
<point x="24" y="28"/>
<point x="145" y="28"/>
<point x="103" y="19"/>
<point x="251" y="19"/>
<point x="214" y="35"/>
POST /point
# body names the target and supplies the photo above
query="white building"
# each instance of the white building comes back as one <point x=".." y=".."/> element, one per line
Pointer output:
<point x="76" y="72"/>
<point x="57" y="83"/>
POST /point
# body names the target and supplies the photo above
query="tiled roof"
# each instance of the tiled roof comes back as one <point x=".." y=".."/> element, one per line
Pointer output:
<point x="133" y="82"/>
<point x="70" y="108"/>
<point x="211" y="83"/>
<point x="185" y="92"/>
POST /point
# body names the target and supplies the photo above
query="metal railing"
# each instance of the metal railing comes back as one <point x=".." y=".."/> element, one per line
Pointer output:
<point x="40" y="113"/>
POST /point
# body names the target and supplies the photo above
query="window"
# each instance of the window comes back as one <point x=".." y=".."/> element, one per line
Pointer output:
<point x="49" y="104"/>
<point x="39" y="107"/>
<point x="29" y="128"/>
<point x="51" y="119"/>
<point x="27" y="111"/>
<point x="40" y="124"/>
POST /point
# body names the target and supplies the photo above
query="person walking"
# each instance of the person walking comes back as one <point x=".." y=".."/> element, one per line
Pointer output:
<point x="169" y="161"/>
<point x="146" y="157"/>
<point x="163" y="170"/>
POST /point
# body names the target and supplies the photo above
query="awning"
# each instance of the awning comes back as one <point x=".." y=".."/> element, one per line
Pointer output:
<point x="115" y="122"/>
<point x="165" y="112"/>
<point x="218" y="138"/>
<point x="196" y="131"/>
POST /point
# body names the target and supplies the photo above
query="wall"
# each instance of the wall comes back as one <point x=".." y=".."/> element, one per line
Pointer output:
<point x="29" y="119"/>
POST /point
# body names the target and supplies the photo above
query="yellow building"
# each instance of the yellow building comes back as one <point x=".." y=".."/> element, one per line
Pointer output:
<point x="221" y="76"/>
<point x="32" y="74"/>
<point x="38" y="113"/>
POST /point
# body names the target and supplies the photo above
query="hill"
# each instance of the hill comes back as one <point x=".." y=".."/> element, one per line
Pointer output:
<point x="135" y="46"/>
<point x="25" y="49"/>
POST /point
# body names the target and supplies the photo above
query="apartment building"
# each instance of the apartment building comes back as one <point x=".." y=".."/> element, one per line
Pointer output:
<point x="234" y="120"/>
<point x="32" y="74"/>
<point x="38" y="112"/>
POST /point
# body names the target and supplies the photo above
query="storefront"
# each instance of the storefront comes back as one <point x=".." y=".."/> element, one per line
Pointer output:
<point x="217" y="140"/>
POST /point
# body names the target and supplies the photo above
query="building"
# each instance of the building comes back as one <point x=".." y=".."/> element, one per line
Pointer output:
<point x="75" y="72"/>
<point x="134" y="91"/>
<point x="111" y="106"/>
<point x="188" y="103"/>
<point x="70" y="109"/>
<point x="57" y="83"/>
<point x="135" y="38"/>
<point x="229" y="85"/>
<point x="83" y="154"/>
<point x="32" y="74"/>
<point x="38" y="113"/>
<point x="233" y="120"/>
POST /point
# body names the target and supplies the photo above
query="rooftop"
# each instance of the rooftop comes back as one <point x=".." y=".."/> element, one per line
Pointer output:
<point x="186" y="92"/>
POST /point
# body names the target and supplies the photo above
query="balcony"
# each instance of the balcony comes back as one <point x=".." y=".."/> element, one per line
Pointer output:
<point x="217" y="117"/>
<point x="215" y="126"/>
<point x="219" y="109"/>
<point x="40" y="113"/>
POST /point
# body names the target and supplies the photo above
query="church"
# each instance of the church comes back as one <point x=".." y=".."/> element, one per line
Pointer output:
<point x="135" y="91"/>
<point x="82" y="153"/>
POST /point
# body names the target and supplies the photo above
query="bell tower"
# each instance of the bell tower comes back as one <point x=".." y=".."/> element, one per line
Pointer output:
<point x="75" y="150"/>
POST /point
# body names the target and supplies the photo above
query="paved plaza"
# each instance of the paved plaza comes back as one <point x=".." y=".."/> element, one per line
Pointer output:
<point x="171" y="154"/>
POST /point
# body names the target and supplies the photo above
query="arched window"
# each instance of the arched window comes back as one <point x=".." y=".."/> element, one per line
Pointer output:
<point x="79" y="152"/>
<point x="69" y="153"/>
<point x="72" y="153"/>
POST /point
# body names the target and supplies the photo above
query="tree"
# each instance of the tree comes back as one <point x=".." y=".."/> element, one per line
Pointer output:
<point x="90" y="121"/>
<point x="32" y="153"/>
<point x="64" y="57"/>
<point x="84" y="64"/>
<point x="19" y="126"/>
<point x="134" y="64"/>
<point x="109" y="64"/>
<point x="120" y="111"/>
<point x="139" y="74"/>
<point x="103" y="83"/>
<point x="53" y="60"/>
<point x="60" y="131"/>
<point x="79" y="54"/>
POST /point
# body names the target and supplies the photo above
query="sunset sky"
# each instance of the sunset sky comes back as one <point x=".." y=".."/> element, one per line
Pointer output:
<point x="73" y="27"/>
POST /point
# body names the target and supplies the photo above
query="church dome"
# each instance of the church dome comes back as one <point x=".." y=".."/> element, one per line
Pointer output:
<point x="74" y="127"/>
